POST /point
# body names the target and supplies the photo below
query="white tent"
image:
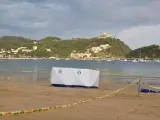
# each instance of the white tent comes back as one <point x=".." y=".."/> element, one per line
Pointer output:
<point x="74" y="77"/>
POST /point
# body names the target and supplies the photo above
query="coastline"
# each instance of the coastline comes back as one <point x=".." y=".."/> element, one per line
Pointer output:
<point x="98" y="59"/>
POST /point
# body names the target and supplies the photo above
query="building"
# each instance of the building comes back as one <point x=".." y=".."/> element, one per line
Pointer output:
<point x="48" y="50"/>
<point x="35" y="47"/>
<point x="105" y="35"/>
<point x="100" y="48"/>
<point x="80" y="55"/>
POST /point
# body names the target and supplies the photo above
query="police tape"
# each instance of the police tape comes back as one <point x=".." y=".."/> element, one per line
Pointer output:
<point x="13" y="70"/>
<point x="125" y="75"/>
<point x="129" y="75"/>
<point x="64" y="106"/>
<point x="154" y="87"/>
<point x="101" y="73"/>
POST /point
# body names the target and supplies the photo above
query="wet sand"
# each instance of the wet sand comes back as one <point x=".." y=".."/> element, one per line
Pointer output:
<point x="125" y="105"/>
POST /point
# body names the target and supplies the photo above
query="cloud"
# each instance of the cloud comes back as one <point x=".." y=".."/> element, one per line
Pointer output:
<point x="141" y="35"/>
<point x="82" y="18"/>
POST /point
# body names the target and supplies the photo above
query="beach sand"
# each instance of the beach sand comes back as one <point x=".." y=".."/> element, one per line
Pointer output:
<point x="125" y="105"/>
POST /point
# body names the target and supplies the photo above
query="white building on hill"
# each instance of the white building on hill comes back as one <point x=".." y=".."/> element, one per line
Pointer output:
<point x="105" y="35"/>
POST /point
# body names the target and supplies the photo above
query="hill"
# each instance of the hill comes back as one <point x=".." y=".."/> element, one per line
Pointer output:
<point x="13" y="42"/>
<point x="54" y="46"/>
<point x="152" y="51"/>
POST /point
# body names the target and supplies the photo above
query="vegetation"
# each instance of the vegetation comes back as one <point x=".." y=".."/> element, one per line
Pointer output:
<point x="63" y="48"/>
<point x="13" y="42"/>
<point x="152" y="51"/>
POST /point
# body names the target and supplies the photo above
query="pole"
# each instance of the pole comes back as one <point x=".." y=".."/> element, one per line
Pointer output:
<point x="100" y="79"/>
<point x="38" y="74"/>
<point x="21" y="73"/>
<point x="139" y="85"/>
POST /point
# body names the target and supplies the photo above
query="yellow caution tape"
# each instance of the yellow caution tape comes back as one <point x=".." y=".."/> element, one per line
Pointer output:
<point x="25" y="70"/>
<point x="155" y="87"/>
<point x="102" y="73"/>
<point x="62" y="106"/>
<point x="129" y="75"/>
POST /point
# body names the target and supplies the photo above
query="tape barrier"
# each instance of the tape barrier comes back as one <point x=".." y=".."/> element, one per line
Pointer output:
<point x="154" y="87"/>
<point x="129" y="75"/>
<point x="24" y="70"/>
<point x="102" y="73"/>
<point x="64" y="106"/>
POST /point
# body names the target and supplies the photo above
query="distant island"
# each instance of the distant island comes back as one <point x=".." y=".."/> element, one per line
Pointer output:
<point x="101" y="47"/>
<point x="104" y="46"/>
<point x="147" y="52"/>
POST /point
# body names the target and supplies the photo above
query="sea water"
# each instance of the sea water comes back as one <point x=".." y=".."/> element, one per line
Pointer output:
<point x="39" y="69"/>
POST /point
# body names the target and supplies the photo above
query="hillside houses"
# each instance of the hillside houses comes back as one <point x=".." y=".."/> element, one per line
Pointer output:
<point x="100" y="48"/>
<point x="88" y="53"/>
<point x="13" y="52"/>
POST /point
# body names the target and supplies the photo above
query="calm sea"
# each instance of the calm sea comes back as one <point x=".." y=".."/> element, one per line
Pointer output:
<point x="16" y="67"/>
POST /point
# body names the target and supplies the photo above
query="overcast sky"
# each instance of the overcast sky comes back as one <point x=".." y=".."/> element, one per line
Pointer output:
<point x="136" y="22"/>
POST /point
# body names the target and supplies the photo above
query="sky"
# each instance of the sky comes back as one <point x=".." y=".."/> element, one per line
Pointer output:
<point x="135" y="22"/>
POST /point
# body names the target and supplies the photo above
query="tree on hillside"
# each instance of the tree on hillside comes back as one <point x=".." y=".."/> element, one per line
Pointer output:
<point x="152" y="51"/>
<point x="51" y="38"/>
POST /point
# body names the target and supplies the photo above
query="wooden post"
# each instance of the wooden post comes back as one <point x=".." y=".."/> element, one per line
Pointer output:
<point x="21" y="70"/>
<point x="139" y="86"/>
<point x="38" y="74"/>
<point x="100" y="79"/>
<point x="1" y="75"/>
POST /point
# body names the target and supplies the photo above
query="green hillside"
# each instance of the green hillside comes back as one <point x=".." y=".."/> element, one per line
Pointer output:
<point x="8" y="42"/>
<point x="152" y="51"/>
<point x="63" y="48"/>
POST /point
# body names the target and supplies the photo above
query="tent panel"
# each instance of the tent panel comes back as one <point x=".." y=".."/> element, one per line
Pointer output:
<point x="56" y="78"/>
<point x="73" y="77"/>
<point x="94" y="77"/>
<point x="82" y="75"/>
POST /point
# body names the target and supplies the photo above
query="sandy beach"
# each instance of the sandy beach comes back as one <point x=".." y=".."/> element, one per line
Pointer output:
<point x="125" y="105"/>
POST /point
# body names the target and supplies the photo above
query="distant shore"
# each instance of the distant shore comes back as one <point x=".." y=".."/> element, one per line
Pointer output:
<point x="108" y="59"/>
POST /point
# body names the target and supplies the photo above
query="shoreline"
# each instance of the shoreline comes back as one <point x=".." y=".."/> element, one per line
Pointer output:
<point x="108" y="59"/>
